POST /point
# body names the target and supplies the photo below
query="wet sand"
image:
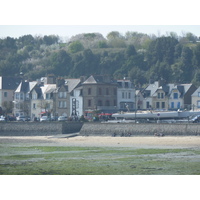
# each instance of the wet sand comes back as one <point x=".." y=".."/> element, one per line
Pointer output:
<point x="135" y="142"/>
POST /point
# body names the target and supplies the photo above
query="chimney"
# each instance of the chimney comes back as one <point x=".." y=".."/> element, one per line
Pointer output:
<point x="60" y="82"/>
<point x="82" y="79"/>
<point x="51" y="79"/>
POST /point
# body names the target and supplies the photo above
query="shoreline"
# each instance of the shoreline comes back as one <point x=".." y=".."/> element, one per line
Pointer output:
<point x="105" y="141"/>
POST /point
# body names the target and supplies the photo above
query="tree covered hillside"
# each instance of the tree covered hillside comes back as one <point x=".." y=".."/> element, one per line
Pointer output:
<point x="139" y="56"/>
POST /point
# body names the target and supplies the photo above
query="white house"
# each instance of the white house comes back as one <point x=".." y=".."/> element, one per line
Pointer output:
<point x="196" y="99"/>
<point x="148" y="95"/>
<point x="22" y="98"/>
<point x="125" y="95"/>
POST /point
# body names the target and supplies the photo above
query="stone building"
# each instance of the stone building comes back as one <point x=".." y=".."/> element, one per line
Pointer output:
<point x="99" y="93"/>
<point x="7" y="87"/>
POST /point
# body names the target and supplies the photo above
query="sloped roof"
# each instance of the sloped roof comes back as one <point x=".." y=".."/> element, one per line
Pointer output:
<point x="72" y="83"/>
<point x="25" y="86"/>
<point x="10" y="83"/>
<point x="48" y="88"/>
<point x="93" y="79"/>
<point x="150" y="89"/>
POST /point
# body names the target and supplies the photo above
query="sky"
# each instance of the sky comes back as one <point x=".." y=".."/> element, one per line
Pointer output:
<point x="69" y="18"/>
<point x="67" y="31"/>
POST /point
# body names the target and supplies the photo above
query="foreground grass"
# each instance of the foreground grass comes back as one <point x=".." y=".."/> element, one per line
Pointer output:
<point x="51" y="160"/>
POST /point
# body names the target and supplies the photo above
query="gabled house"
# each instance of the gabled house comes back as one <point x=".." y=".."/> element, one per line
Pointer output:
<point x="7" y="87"/>
<point x="173" y="97"/>
<point x="68" y="98"/>
<point x="22" y="102"/>
<point x="148" y="95"/>
<point x="139" y="100"/>
<point x="125" y="95"/>
<point x="160" y="96"/>
<point x="42" y="100"/>
<point x="99" y="93"/>
<point x="181" y="96"/>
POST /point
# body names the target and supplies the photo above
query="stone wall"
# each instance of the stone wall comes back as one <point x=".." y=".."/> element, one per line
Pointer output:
<point x="38" y="128"/>
<point x="95" y="129"/>
<point x="108" y="129"/>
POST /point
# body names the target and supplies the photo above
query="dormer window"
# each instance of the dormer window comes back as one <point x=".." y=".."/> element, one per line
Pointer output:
<point x="175" y="95"/>
<point x="34" y="96"/>
<point x="47" y="96"/>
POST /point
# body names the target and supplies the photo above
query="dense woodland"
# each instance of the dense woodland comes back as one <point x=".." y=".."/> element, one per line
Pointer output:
<point x="139" y="56"/>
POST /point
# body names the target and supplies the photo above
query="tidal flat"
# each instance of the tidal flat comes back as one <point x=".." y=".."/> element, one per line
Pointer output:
<point x="55" y="157"/>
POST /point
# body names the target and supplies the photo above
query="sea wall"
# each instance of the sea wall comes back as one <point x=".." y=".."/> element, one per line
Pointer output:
<point x="95" y="129"/>
<point x="123" y="129"/>
<point x="38" y="128"/>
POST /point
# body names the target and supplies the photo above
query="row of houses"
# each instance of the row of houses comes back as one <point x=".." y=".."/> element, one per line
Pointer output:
<point x="76" y="97"/>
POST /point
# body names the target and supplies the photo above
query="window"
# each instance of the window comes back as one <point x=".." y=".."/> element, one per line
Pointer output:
<point x="163" y="104"/>
<point x="157" y="104"/>
<point x="17" y="96"/>
<point x="60" y="94"/>
<point x="126" y="84"/>
<point x="122" y="95"/>
<point x="172" y="104"/>
<point x="89" y="91"/>
<point x="158" y="95"/>
<point x="21" y="96"/>
<point x="129" y="95"/>
<point x="198" y="104"/>
<point x="64" y="104"/>
<point x="89" y="102"/>
<point x="5" y="94"/>
<point x="47" y="96"/>
<point x="178" y="105"/>
<point x="34" y="106"/>
<point x="60" y="104"/>
<point x="162" y="95"/>
<point x="198" y="94"/>
<point x="34" y="96"/>
<point x="147" y="104"/>
<point x="64" y="94"/>
<point x="175" y="95"/>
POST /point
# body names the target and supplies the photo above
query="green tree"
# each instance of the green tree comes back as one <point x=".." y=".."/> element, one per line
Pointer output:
<point x="197" y="55"/>
<point x="60" y="63"/>
<point x="75" y="47"/>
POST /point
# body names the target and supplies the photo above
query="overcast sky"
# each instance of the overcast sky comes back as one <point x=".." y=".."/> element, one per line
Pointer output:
<point x="69" y="30"/>
<point x="74" y="17"/>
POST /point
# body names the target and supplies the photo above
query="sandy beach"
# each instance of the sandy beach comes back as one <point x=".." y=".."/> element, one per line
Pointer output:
<point x="137" y="142"/>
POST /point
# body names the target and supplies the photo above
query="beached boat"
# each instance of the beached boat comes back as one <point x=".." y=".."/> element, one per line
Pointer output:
<point x="155" y="115"/>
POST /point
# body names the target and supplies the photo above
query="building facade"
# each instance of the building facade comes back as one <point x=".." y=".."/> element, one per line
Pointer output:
<point x="99" y="93"/>
<point x="126" y="96"/>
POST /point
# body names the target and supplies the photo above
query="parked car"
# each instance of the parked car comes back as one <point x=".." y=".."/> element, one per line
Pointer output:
<point x="44" y="119"/>
<point x="23" y="118"/>
<point x="2" y="118"/>
<point x="62" y="118"/>
<point x="11" y="118"/>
